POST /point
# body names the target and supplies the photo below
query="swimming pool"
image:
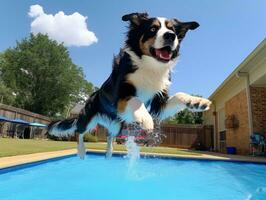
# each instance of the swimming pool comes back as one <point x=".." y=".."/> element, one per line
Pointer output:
<point x="96" y="178"/>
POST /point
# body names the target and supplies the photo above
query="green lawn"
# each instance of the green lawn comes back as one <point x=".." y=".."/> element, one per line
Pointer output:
<point x="11" y="147"/>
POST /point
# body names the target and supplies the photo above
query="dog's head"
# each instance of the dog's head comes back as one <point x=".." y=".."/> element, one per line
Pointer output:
<point x="158" y="38"/>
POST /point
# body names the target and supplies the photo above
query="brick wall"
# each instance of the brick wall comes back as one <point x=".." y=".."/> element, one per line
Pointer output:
<point x="258" y="101"/>
<point x="238" y="137"/>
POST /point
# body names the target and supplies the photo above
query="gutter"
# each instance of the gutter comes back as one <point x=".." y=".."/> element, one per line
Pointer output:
<point x="245" y="75"/>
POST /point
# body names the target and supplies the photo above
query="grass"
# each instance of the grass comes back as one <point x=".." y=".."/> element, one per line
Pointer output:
<point x="12" y="147"/>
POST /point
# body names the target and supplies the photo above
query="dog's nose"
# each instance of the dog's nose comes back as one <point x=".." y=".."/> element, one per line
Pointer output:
<point x="168" y="36"/>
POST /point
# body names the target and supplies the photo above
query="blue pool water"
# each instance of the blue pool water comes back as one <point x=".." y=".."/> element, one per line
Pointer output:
<point x="153" y="178"/>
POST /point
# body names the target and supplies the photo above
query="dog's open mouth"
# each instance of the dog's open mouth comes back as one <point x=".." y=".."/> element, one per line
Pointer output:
<point x="163" y="54"/>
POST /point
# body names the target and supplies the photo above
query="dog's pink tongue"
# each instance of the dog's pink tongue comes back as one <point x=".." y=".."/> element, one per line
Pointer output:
<point x="163" y="54"/>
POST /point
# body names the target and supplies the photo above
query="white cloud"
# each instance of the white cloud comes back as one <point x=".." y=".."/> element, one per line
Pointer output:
<point x="35" y="11"/>
<point x="71" y="29"/>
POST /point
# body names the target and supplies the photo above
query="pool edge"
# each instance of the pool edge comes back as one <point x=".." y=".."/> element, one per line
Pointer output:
<point x="14" y="167"/>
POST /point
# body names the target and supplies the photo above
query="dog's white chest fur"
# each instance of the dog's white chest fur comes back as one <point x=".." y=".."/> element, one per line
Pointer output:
<point x="148" y="82"/>
<point x="151" y="77"/>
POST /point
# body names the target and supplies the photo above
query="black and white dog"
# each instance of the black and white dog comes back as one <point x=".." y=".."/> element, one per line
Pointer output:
<point x="137" y="89"/>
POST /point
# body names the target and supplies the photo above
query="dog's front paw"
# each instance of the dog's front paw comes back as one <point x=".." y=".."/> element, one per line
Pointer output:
<point x="145" y="121"/>
<point x="193" y="103"/>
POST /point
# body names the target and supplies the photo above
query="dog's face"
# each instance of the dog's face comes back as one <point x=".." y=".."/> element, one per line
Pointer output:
<point x="158" y="38"/>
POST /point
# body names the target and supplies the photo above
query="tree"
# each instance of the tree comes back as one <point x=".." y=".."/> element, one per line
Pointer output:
<point x="6" y="95"/>
<point x="84" y="93"/>
<point x="80" y="98"/>
<point x="42" y="76"/>
<point x="187" y="117"/>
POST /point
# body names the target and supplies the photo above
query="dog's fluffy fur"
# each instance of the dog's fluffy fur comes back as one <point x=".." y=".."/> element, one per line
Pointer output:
<point x="137" y="89"/>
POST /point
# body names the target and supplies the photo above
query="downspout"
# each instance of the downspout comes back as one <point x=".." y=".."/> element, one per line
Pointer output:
<point x="214" y="127"/>
<point x="250" y="118"/>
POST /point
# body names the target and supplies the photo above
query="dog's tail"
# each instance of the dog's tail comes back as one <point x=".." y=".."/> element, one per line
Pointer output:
<point x="62" y="128"/>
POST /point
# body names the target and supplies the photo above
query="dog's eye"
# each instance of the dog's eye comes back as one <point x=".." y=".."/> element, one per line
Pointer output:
<point x="153" y="29"/>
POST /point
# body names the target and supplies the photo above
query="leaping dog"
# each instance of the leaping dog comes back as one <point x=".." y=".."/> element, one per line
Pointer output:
<point x="137" y="89"/>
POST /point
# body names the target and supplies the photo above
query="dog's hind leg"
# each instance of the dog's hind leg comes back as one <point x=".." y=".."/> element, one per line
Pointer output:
<point x="81" y="147"/>
<point x="84" y="124"/>
<point x="113" y="127"/>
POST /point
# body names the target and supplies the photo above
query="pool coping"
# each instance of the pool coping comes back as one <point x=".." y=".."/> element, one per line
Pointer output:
<point x="21" y="161"/>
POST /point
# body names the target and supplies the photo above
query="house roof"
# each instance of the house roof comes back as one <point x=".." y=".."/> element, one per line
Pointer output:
<point x="77" y="108"/>
<point x="8" y="108"/>
<point x="242" y="67"/>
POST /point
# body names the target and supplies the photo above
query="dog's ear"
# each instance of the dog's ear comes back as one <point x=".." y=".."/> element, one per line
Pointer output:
<point x="190" y="25"/>
<point x="181" y="28"/>
<point x="135" y="18"/>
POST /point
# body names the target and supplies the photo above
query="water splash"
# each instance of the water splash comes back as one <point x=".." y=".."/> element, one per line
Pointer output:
<point x="154" y="138"/>
<point x="133" y="155"/>
<point x="133" y="151"/>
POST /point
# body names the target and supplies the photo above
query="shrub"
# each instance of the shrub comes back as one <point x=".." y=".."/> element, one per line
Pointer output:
<point x="90" y="138"/>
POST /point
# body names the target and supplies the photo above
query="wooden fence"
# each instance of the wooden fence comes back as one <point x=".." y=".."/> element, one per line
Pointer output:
<point x="10" y="129"/>
<point x="187" y="136"/>
<point x="101" y="134"/>
<point x="179" y="135"/>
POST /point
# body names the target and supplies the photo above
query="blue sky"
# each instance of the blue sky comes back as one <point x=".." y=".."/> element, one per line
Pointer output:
<point x="229" y="31"/>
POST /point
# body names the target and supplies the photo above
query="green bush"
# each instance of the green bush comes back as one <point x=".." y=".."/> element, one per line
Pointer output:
<point x="90" y="138"/>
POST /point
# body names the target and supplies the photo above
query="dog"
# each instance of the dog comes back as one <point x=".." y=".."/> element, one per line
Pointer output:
<point x="137" y="89"/>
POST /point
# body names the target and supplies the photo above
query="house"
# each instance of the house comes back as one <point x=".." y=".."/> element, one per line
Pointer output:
<point x="239" y="104"/>
<point x="74" y="112"/>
